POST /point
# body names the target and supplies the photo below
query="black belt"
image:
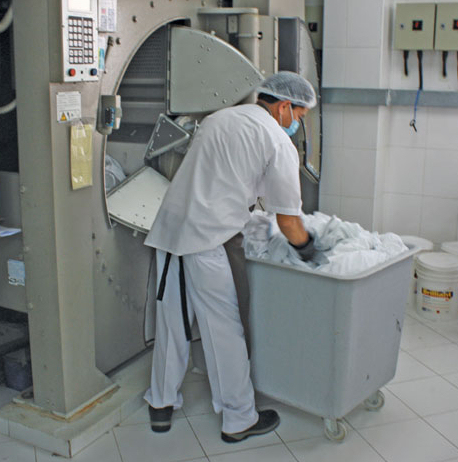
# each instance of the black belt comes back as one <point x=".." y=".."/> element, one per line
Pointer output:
<point x="184" y="305"/>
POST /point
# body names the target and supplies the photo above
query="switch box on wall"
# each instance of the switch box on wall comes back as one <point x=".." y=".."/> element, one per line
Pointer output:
<point x="414" y="26"/>
<point x="446" y="27"/>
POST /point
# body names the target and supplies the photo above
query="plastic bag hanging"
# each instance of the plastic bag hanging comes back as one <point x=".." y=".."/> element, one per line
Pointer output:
<point x="81" y="154"/>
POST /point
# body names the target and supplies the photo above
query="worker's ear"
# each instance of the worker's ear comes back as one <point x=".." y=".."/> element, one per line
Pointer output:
<point x="283" y="107"/>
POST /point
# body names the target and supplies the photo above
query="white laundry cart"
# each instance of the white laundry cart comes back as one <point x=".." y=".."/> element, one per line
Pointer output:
<point x="323" y="343"/>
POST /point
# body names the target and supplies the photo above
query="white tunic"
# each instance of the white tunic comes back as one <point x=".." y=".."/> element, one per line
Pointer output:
<point x="237" y="155"/>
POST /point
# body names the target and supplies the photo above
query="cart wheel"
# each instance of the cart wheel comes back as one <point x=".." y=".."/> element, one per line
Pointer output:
<point x="375" y="402"/>
<point x="335" y="430"/>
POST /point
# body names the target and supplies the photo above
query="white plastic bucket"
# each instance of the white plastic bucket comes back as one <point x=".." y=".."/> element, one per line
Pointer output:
<point x="437" y="285"/>
<point x="450" y="247"/>
<point x="422" y="245"/>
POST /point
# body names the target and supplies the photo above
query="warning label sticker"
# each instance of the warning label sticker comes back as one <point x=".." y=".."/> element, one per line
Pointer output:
<point x="68" y="106"/>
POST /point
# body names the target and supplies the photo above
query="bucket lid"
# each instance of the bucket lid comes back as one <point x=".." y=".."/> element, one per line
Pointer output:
<point x="423" y="244"/>
<point x="438" y="261"/>
<point x="450" y="247"/>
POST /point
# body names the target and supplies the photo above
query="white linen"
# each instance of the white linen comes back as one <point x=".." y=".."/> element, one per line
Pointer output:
<point x="343" y="248"/>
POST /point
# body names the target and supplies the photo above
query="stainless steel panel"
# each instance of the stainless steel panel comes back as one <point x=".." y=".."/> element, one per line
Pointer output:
<point x="135" y="202"/>
<point x="221" y="76"/>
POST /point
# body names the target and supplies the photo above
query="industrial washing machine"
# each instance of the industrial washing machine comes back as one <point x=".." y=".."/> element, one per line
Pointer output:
<point x="96" y="82"/>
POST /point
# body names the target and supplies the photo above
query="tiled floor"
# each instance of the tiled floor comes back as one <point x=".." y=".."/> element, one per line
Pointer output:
<point x="419" y="422"/>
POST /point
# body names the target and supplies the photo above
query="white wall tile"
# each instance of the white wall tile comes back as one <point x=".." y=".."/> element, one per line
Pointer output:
<point x="364" y="23"/>
<point x="358" y="210"/>
<point x="398" y="79"/>
<point x="333" y="67"/>
<point x="404" y="169"/>
<point x="400" y="132"/>
<point x="329" y="204"/>
<point x="432" y="71"/>
<point x="439" y="219"/>
<point x="441" y="174"/>
<point x="386" y="43"/>
<point x="332" y="125"/>
<point x="331" y="170"/>
<point x="402" y="214"/>
<point x="362" y="67"/>
<point x="442" y="128"/>
<point x="358" y="173"/>
<point x="360" y="127"/>
<point x="335" y="23"/>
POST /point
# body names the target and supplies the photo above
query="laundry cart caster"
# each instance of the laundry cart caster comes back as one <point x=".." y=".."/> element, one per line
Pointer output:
<point x="375" y="402"/>
<point x="335" y="430"/>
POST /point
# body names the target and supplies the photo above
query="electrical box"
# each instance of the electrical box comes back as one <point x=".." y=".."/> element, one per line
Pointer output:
<point x="314" y="21"/>
<point x="446" y="27"/>
<point x="414" y="26"/>
<point x="79" y="40"/>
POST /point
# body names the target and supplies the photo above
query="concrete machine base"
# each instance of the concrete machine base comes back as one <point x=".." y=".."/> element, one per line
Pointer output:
<point x="68" y="435"/>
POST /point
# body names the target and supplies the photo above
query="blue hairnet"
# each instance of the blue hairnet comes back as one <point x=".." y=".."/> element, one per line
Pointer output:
<point x="289" y="86"/>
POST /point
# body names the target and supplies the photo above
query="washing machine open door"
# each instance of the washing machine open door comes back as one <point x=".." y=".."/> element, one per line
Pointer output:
<point x="205" y="74"/>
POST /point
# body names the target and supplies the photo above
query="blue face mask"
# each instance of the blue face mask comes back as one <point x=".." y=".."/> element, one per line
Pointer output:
<point x="292" y="129"/>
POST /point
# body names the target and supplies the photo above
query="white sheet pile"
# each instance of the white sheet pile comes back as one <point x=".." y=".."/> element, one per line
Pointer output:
<point x="343" y="248"/>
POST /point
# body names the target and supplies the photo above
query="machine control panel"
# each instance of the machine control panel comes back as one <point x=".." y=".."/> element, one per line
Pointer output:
<point x="79" y="40"/>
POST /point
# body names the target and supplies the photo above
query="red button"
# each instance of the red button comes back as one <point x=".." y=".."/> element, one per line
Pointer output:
<point x="72" y="72"/>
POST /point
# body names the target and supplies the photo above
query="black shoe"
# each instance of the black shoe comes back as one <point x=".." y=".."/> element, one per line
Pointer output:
<point x="161" y="419"/>
<point x="268" y="421"/>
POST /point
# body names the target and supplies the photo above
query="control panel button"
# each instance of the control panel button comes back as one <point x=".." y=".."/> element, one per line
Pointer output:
<point x="93" y="71"/>
<point x="72" y="72"/>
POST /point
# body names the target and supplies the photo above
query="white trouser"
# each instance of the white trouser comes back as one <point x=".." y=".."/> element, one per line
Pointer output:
<point x="211" y="297"/>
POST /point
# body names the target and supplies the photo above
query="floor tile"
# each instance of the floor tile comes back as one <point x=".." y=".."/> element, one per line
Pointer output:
<point x="4" y="431"/>
<point x="208" y="431"/>
<point x="447" y="329"/>
<point x="446" y="424"/>
<point x="427" y="396"/>
<point x="277" y="453"/>
<point x="417" y="335"/>
<point x="352" y="449"/>
<point x="412" y="441"/>
<point x="15" y="451"/>
<point x="137" y="443"/>
<point x="7" y="395"/>
<point x="194" y="375"/>
<point x="409" y="368"/>
<point x="452" y="378"/>
<point x="197" y="398"/>
<point x="104" y="449"/>
<point x="296" y="424"/>
<point x="262" y="400"/>
<point x="394" y="410"/>
<point x="441" y="359"/>
<point x="410" y="319"/>
<point x="142" y="416"/>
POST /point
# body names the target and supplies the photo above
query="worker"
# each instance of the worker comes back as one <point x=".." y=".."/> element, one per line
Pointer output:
<point x="237" y="155"/>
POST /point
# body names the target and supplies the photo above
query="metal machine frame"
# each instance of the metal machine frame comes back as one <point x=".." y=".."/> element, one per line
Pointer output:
<point x="87" y="278"/>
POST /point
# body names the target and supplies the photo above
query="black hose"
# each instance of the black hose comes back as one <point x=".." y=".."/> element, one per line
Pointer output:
<point x="406" y="64"/>
<point x="444" y="63"/>
<point x="420" y="68"/>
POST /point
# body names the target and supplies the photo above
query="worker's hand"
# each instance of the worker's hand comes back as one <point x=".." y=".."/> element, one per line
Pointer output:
<point x="306" y="250"/>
